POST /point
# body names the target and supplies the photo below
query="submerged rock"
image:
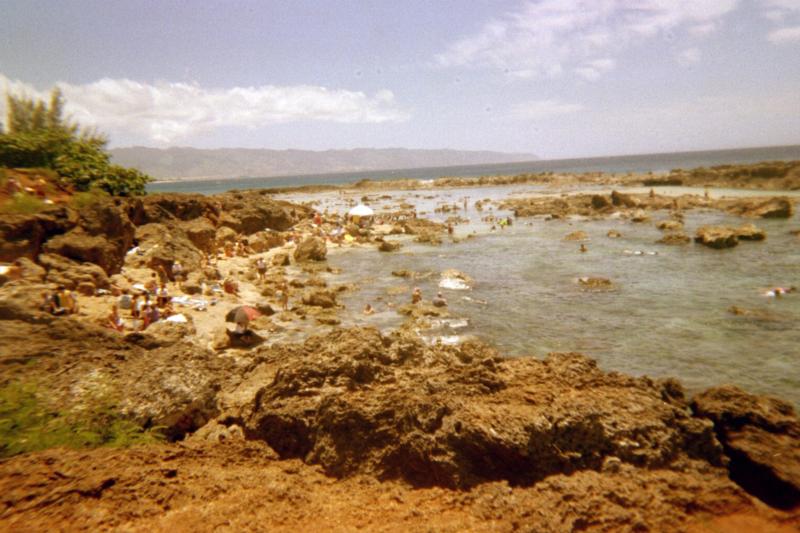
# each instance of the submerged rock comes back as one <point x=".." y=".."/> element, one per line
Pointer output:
<point x="675" y="239"/>
<point x="749" y="232"/>
<point x="577" y="236"/>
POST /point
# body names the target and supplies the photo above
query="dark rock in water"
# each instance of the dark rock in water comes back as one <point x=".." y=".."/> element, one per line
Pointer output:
<point x="780" y="207"/>
<point x="749" y="232"/>
<point x="716" y="237"/>
<point x="596" y="283"/>
<point x="311" y="249"/>
<point x="577" y="236"/>
<point x="621" y="199"/>
<point x="675" y="239"/>
<point x="320" y="298"/>
<point x="388" y="246"/>
<point x="761" y="435"/>
<point x="670" y="225"/>
<point x="600" y="202"/>
<point x="402" y="273"/>
<point x="252" y="211"/>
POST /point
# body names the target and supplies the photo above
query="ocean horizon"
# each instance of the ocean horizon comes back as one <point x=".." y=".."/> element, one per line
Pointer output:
<point x="656" y="163"/>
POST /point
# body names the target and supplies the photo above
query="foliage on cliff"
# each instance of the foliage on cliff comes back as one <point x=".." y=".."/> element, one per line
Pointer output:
<point x="39" y="136"/>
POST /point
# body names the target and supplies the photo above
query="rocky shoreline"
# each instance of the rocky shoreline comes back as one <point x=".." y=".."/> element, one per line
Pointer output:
<point x="345" y="428"/>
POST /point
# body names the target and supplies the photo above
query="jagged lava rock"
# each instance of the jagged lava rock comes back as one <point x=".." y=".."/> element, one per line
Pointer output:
<point x="357" y="402"/>
<point x="716" y="237"/>
<point x="310" y="249"/>
<point x="761" y="435"/>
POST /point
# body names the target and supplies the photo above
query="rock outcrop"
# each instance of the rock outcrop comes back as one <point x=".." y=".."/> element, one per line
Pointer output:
<point x="716" y="237"/>
<point x="310" y="249"/>
<point x="358" y="402"/>
<point x="760" y="435"/>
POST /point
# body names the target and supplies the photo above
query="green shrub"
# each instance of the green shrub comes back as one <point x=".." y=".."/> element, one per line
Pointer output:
<point x="82" y="200"/>
<point x="39" y="136"/>
<point x="27" y="424"/>
<point x="22" y="204"/>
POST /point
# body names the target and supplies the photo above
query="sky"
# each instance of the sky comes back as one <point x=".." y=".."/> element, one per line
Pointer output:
<point x="554" y="78"/>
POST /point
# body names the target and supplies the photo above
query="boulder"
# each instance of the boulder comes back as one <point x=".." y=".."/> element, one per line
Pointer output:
<point x="761" y="436"/>
<point x="639" y="216"/>
<point x="716" y="237"/>
<point x="356" y="402"/>
<point x="600" y="202"/>
<point x="613" y="234"/>
<point x="23" y="235"/>
<point x="310" y="249"/>
<point x="82" y="247"/>
<point x="225" y="234"/>
<point x="389" y="246"/>
<point x="71" y="274"/>
<point x="161" y="245"/>
<point x="780" y="207"/>
<point x="622" y="200"/>
<point x="266" y="240"/>
<point x="750" y="232"/>
<point x="23" y="270"/>
<point x="320" y="298"/>
<point x="281" y="259"/>
<point x="252" y="211"/>
<point x="670" y="225"/>
<point x="161" y="334"/>
<point x="168" y="207"/>
<point x="674" y="239"/>
<point x="201" y="232"/>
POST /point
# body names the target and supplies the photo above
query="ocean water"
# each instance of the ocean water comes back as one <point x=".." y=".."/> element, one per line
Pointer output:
<point x="667" y="316"/>
<point x="634" y="163"/>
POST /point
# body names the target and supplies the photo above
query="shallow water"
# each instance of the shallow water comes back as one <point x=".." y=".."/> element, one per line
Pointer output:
<point x="667" y="317"/>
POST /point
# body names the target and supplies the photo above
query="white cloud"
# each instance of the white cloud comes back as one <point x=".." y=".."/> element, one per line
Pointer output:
<point x="784" y="13"/>
<point x="539" y="109"/>
<point x="547" y="37"/>
<point x="690" y="56"/>
<point x="785" y="35"/>
<point x="165" y="112"/>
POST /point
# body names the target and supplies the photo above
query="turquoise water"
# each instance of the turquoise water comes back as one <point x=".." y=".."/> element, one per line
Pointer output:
<point x="633" y="163"/>
<point x="668" y="316"/>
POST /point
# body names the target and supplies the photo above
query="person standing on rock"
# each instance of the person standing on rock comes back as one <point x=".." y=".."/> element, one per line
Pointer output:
<point x="177" y="273"/>
<point x="283" y="296"/>
<point x="261" y="268"/>
<point x="416" y="295"/>
<point x="162" y="274"/>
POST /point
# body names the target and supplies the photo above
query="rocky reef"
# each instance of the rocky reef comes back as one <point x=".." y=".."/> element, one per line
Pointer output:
<point x="354" y="428"/>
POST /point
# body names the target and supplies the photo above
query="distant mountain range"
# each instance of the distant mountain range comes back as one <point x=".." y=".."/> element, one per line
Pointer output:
<point x="176" y="163"/>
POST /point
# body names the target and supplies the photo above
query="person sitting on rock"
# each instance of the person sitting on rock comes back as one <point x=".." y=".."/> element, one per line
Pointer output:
<point x="416" y="295"/>
<point x="69" y="301"/>
<point x="154" y="314"/>
<point x="114" y="321"/>
<point x="583" y="248"/>
<point x="439" y="301"/>
<point x="230" y="285"/>
<point x="228" y="249"/>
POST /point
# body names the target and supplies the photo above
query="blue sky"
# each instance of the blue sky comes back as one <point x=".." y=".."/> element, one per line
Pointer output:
<point x="557" y="78"/>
